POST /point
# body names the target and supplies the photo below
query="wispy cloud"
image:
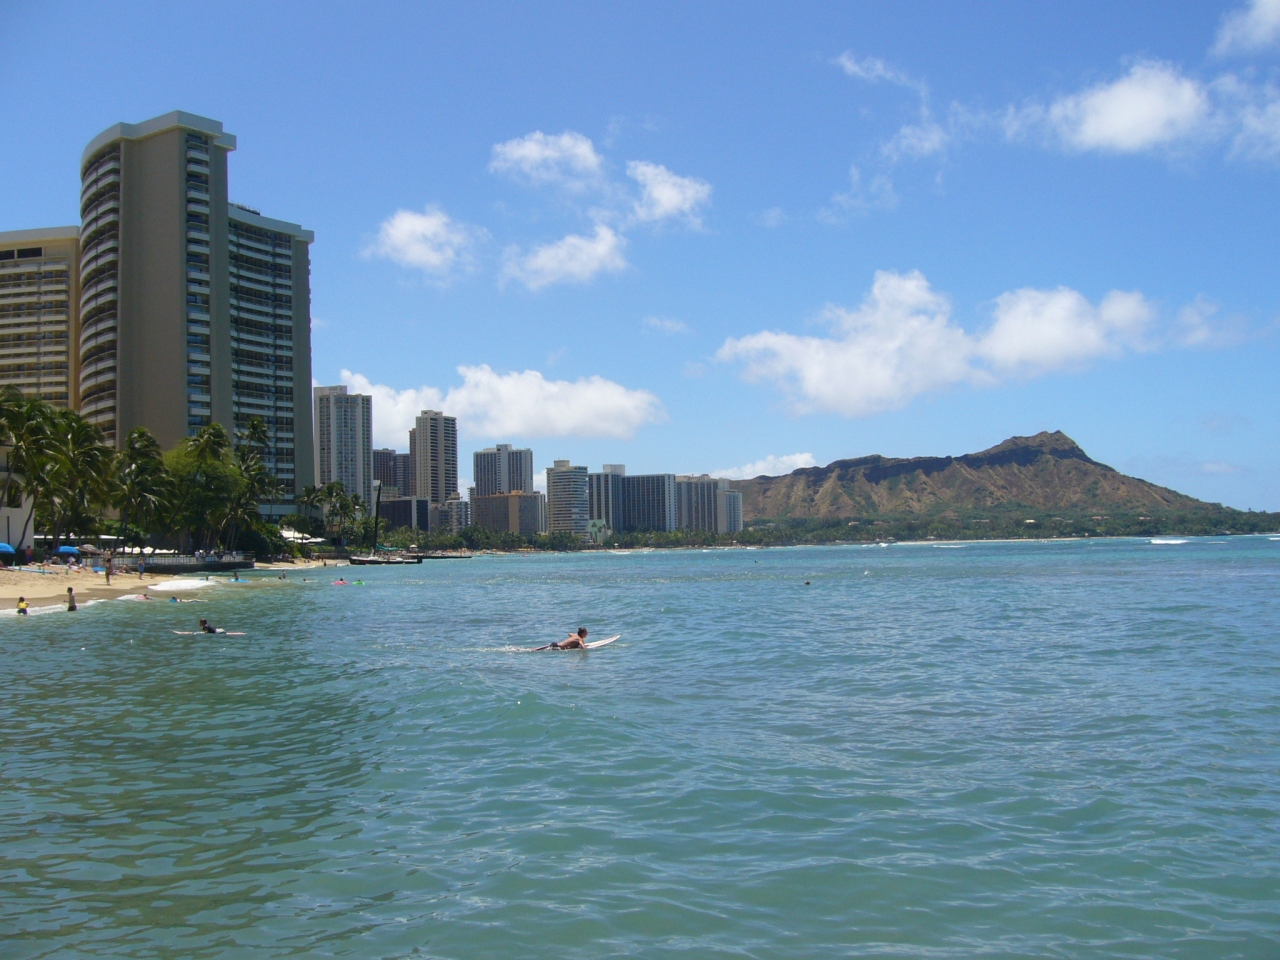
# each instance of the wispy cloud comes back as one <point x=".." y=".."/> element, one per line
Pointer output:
<point x="902" y="343"/>
<point x="773" y="217"/>
<point x="770" y="466"/>
<point x="515" y="404"/>
<point x="1249" y="29"/>
<point x="573" y="259"/>
<point x="665" y="325"/>
<point x="860" y="198"/>
<point x="431" y="241"/>
<point x="875" y="70"/>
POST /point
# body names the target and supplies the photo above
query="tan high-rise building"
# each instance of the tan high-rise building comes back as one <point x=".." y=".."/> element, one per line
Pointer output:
<point x="192" y="309"/>
<point x="39" y="293"/>
<point x="433" y="446"/>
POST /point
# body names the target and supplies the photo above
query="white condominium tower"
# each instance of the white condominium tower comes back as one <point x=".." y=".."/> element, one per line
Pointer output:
<point x="568" y="507"/>
<point x="344" y="440"/>
<point x="502" y="469"/>
<point x="433" y="447"/>
<point x="39" y="287"/>
<point x="192" y="309"/>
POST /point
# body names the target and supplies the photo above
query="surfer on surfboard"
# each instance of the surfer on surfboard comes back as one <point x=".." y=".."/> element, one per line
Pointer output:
<point x="575" y="641"/>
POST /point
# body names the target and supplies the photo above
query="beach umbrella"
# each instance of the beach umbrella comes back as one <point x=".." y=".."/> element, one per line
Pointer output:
<point x="67" y="551"/>
<point x="5" y="548"/>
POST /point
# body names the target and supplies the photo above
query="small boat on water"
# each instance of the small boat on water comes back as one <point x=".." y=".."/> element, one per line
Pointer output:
<point x="372" y="561"/>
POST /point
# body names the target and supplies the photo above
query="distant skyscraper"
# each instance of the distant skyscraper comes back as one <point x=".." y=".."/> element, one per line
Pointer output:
<point x="502" y="469"/>
<point x="192" y="310"/>
<point x="567" y="500"/>
<point x="707" y="503"/>
<point x="39" y="311"/>
<point x="522" y="513"/>
<point x="604" y="496"/>
<point x="384" y="471"/>
<point x="649" y="502"/>
<point x="433" y="445"/>
<point x="344" y="440"/>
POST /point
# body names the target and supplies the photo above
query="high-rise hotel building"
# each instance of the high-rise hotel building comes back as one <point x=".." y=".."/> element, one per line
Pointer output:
<point x="344" y="440"/>
<point x="502" y="469"/>
<point x="192" y="309"/>
<point x="433" y="447"/>
<point x="39" y="290"/>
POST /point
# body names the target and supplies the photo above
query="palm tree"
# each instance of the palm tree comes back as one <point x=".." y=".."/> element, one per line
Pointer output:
<point x="143" y="481"/>
<point x="204" y="484"/>
<point x="26" y="425"/>
<point x="80" y="477"/>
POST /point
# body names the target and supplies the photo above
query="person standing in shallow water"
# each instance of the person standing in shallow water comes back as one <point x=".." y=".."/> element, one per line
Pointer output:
<point x="71" y="600"/>
<point x="22" y="606"/>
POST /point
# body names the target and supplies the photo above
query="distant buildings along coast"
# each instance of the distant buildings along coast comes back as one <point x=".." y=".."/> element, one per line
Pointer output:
<point x="171" y="308"/>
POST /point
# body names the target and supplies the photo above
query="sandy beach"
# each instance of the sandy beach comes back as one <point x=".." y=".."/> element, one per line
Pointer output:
<point x="49" y="588"/>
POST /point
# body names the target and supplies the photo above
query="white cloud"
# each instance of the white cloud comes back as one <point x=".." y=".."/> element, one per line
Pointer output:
<point x="916" y="140"/>
<point x="515" y="404"/>
<point x="898" y="344"/>
<point x="568" y="158"/>
<point x="1198" y="325"/>
<point x="770" y="466"/>
<point x="860" y="198"/>
<point x="873" y="70"/>
<point x="393" y="410"/>
<point x="574" y="259"/>
<point x="1152" y="105"/>
<point x="665" y="325"/>
<point x="431" y="241"/>
<point x="666" y="194"/>
<point x="773" y="217"/>
<point x="1258" y="137"/>
<point x="1249" y="29"/>
<point x="1040" y="330"/>
<point x="901" y="343"/>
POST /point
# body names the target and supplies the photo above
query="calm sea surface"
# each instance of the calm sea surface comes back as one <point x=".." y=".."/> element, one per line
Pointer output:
<point x="1004" y="749"/>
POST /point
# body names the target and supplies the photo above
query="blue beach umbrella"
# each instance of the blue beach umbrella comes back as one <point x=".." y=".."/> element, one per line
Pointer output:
<point x="5" y="548"/>
<point x="68" y="551"/>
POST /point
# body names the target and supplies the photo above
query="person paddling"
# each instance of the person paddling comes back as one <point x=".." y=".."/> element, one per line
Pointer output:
<point x="575" y="641"/>
<point x="206" y="627"/>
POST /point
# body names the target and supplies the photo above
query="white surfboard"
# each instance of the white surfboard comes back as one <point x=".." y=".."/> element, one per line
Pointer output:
<point x="593" y="645"/>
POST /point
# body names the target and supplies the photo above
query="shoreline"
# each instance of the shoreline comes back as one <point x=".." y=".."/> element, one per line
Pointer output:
<point x="48" y="588"/>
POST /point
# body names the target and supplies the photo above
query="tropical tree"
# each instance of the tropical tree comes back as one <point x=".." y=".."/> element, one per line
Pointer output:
<point x="76" y="476"/>
<point x="205" y="482"/>
<point x="25" y="428"/>
<point x="143" y="483"/>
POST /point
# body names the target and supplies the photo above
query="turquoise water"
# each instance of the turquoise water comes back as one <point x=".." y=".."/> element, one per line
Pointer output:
<point x="1006" y="750"/>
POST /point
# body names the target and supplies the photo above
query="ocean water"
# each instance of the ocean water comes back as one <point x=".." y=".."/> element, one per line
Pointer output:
<point x="1065" y="749"/>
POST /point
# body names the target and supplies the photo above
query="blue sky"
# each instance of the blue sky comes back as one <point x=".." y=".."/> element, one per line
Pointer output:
<point x="694" y="237"/>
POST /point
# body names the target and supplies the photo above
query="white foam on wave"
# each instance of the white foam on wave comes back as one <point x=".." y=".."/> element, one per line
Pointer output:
<point x="1167" y="541"/>
<point x="173" y="586"/>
